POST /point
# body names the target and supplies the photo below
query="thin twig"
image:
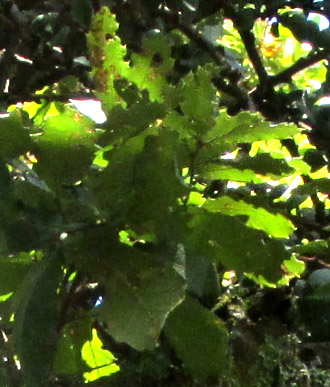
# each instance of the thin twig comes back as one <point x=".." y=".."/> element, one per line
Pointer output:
<point x="217" y="53"/>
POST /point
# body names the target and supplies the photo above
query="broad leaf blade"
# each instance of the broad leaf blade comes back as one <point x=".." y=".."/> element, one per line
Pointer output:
<point x="141" y="293"/>
<point x="68" y="139"/>
<point x="35" y="322"/>
<point x="273" y="224"/>
<point x="200" y="339"/>
<point x="228" y="240"/>
<point x="14" y="138"/>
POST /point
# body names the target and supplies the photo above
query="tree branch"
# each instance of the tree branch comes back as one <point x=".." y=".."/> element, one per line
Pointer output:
<point x="301" y="64"/>
<point x="217" y="53"/>
<point x="249" y="43"/>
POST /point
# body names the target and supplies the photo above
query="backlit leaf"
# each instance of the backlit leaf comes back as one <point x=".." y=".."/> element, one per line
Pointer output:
<point x="273" y="224"/>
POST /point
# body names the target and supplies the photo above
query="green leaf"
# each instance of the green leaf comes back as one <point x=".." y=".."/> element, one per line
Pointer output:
<point x="318" y="247"/>
<point x="216" y="171"/>
<point x="247" y="127"/>
<point x="14" y="138"/>
<point x="13" y="271"/>
<point x="149" y="69"/>
<point x="125" y="123"/>
<point x="98" y="358"/>
<point x="35" y="335"/>
<point x="199" y="97"/>
<point x="65" y="149"/>
<point x="228" y="240"/>
<point x="263" y="164"/>
<point x="294" y="266"/>
<point x="202" y="278"/>
<point x="302" y="29"/>
<point x="106" y="55"/>
<point x="140" y="294"/>
<point x="200" y="340"/>
<point x="140" y="184"/>
<point x="74" y="335"/>
<point x="273" y="224"/>
<point x="317" y="185"/>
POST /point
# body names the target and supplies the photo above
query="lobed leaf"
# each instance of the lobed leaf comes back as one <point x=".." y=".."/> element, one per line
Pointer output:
<point x="273" y="224"/>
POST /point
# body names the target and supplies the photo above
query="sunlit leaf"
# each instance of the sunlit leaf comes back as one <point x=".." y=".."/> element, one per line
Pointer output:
<point x="274" y="224"/>
<point x="106" y="56"/>
<point x="149" y="69"/>
<point x="101" y="360"/>
<point x="228" y="240"/>
<point x="68" y="139"/>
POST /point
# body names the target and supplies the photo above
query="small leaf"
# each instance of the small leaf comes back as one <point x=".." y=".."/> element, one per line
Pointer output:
<point x="106" y="56"/>
<point x="200" y="340"/>
<point x="316" y="247"/>
<point x="248" y="127"/>
<point x="73" y="336"/>
<point x="216" y="171"/>
<point x="202" y="278"/>
<point x="101" y="360"/>
<point x="149" y="69"/>
<point x="199" y="96"/>
<point x="262" y="164"/>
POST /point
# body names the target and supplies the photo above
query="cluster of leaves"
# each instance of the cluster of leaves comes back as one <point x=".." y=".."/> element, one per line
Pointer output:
<point x="188" y="214"/>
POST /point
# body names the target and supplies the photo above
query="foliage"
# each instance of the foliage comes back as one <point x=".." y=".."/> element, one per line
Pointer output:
<point x="184" y="241"/>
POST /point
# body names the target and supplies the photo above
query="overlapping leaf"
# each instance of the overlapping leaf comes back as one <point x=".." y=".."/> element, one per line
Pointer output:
<point x="140" y="294"/>
<point x="273" y="224"/>
<point x="200" y="339"/>
<point x="65" y="149"/>
<point x="228" y="240"/>
<point x="35" y="334"/>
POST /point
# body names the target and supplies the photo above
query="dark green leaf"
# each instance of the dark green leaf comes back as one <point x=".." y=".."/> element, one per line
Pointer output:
<point x="140" y="294"/>
<point x="263" y="164"/>
<point x="74" y="335"/>
<point x="14" y="138"/>
<point x="317" y="185"/>
<point x="227" y="240"/>
<point x="200" y="339"/>
<point x="35" y="333"/>
<point x="13" y="271"/>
